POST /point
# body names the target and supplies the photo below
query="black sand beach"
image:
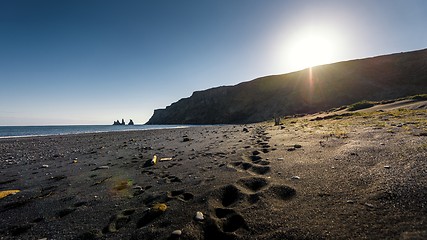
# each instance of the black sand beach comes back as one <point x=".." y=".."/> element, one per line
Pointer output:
<point x="360" y="175"/>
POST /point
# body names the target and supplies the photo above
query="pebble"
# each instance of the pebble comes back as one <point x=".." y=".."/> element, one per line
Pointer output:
<point x="103" y="167"/>
<point x="161" y="207"/>
<point x="350" y="201"/>
<point x="177" y="232"/>
<point x="280" y="158"/>
<point x="45" y="166"/>
<point x="369" y="205"/>
<point x="137" y="187"/>
<point x="199" y="216"/>
<point x="295" y="177"/>
<point x="387" y="166"/>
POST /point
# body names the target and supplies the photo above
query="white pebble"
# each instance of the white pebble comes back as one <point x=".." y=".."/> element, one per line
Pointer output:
<point x="369" y="205"/>
<point x="45" y="166"/>
<point x="387" y="166"/>
<point x="280" y="158"/>
<point x="295" y="177"/>
<point x="177" y="232"/>
<point x="199" y="216"/>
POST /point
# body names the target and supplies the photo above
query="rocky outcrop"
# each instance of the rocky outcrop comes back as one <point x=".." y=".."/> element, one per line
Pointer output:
<point x="117" y="123"/>
<point x="123" y="122"/>
<point x="307" y="91"/>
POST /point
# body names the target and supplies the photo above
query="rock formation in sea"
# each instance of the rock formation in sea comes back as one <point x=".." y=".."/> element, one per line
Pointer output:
<point x="131" y="122"/>
<point x="120" y="123"/>
<point x="307" y="91"/>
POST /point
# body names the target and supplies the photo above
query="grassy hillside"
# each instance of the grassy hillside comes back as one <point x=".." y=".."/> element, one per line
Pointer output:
<point x="307" y="91"/>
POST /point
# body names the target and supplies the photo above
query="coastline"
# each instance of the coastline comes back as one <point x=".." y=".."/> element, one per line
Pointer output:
<point x="356" y="177"/>
<point x="56" y="130"/>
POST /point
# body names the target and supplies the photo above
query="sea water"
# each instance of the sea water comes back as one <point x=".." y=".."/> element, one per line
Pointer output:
<point x="25" y="131"/>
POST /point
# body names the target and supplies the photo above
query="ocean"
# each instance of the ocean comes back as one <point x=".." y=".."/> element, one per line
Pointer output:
<point x="26" y="131"/>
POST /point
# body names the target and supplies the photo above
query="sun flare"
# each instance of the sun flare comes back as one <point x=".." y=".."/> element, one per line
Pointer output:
<point x="311" y="48"/>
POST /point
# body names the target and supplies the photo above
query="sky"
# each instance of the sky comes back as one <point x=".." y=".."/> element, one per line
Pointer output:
<point x="96" y="61"/>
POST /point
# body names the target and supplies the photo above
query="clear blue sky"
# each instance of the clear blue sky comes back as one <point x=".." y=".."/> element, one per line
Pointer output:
<point x="92" y="62"/>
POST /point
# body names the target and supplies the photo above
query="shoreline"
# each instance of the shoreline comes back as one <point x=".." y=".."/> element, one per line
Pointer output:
<point x="149" y="127"/>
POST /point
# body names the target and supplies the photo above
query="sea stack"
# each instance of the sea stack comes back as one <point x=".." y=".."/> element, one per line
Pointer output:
<point x="121" y="123"/>
<point x="131" y="122"/>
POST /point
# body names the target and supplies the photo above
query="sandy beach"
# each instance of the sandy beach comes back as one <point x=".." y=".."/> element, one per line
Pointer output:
<point x="339" y="176"/>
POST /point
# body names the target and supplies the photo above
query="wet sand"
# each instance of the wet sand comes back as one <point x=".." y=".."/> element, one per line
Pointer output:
<point x="354" y="176"/>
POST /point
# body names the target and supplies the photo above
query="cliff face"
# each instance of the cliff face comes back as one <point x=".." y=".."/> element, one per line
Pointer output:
<point x="307" y="91"/>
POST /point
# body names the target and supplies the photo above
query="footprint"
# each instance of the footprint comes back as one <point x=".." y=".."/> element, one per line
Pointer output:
<point x="255" y="158"/>
<point x="18" y="230"/>
<point x="149" y="216"/>
<point x="212" y="231"/>
<point x="79" y="204"/>
<point x="171" y="179"/>
<point x="58" y="178"/>
<point x="281" y="192"/>
<point x="231" y="220"/>
<point x="118" y="221"/>
<point x="242" y="165"/>
<point x="64" y="212"/>
<point x="180" y="195"/>
<point x="265" y="150"/>
<point x="246" y="165"/>
<point x="262" y="170"/>
<point x="265" y="146"/>
<point x="224" y="212"/>
<point x="233" y="223"/>
<point x="254" y="184"/>
<point x="256" y="152"/>
<point x="263" y="162"/>
<point x="230" y="194"/>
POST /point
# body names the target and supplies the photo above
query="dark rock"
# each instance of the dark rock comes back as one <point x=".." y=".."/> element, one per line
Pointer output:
<point x="122" y="122"/>
<point x="131" y="122"/>
<point x="186" y="139"/>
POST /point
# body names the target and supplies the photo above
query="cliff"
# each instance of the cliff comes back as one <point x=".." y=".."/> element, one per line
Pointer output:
<point x="307" y="91"/>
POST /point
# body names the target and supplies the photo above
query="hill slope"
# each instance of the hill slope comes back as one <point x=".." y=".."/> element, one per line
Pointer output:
<point x="307" y="91"/>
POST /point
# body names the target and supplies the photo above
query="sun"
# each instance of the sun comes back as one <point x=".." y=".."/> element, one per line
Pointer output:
<point x="311" y="48"/>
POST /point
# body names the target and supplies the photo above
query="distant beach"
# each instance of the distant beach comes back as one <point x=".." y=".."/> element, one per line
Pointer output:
<point x="33" y="131"/>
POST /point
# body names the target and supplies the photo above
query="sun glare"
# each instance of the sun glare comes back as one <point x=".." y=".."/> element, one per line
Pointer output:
<point x="311" y="48"/>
